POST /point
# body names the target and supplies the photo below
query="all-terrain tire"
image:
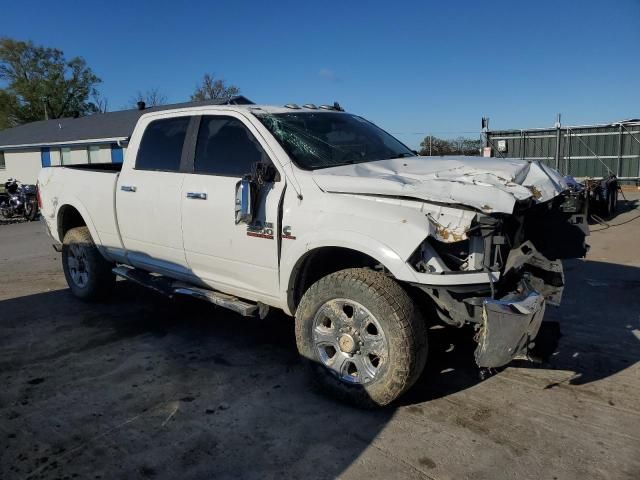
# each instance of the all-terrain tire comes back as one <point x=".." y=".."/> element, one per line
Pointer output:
<point x="396" y="314"/>
<point x="89" y="277"/>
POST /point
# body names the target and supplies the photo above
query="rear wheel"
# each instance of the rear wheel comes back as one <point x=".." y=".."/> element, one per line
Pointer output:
<point x="361" y="336"/>
<point x="87" y="272"/>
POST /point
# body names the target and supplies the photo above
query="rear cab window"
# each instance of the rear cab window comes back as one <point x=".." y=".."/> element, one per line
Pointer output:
<point x="161" y="145"/>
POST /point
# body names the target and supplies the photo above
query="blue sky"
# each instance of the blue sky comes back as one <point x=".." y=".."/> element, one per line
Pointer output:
<point x="414" y="67"/>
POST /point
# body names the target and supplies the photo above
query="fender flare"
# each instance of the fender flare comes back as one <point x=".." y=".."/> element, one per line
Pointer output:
<point x="297" y="249"/>
<point x="72" y="201"/>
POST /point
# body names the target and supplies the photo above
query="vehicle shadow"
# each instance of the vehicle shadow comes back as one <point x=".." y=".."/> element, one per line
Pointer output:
<point x="11" y="221"/>
<point x="144" y="387"/>
<point x="624" y="205"/>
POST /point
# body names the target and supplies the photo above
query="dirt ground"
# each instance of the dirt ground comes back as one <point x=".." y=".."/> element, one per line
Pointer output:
<point x="143" y="387"/>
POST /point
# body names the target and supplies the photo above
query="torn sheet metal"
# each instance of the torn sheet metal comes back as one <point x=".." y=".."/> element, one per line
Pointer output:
<point x="544" y="276"/>
<point x="487" y="184"/>
<point x="509" y="327"/>
<point x="547" y="278"/>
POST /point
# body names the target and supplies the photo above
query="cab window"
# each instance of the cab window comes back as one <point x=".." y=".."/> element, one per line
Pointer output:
<point x="226" y="147"/>
<point x="161" y="145"/>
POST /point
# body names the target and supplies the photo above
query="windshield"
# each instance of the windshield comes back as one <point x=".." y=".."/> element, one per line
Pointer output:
<point x="328" y="139"/>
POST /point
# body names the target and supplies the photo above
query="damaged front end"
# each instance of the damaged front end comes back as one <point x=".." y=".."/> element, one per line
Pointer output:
<point x="508" y="327"/>
<point x="509" y="323"/>
<point x="524" y="251"/>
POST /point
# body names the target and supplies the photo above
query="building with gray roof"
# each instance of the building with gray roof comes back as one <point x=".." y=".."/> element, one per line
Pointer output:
<point x="70" y="141"/>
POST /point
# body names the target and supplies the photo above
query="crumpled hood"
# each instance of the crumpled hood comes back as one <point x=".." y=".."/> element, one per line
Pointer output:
<point x="488" y="184"/>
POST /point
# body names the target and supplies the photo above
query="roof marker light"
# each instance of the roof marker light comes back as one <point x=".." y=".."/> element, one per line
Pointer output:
<point x="294" y="106"/>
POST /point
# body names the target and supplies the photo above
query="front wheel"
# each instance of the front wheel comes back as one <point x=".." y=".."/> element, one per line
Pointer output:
<point x="362" y="337"/>
<point x="87" y="272"/>
<point x="5" y="213"/>
<point x="30" y="211"/>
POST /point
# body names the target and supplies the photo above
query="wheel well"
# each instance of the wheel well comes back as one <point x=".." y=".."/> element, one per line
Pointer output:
<point x="68" y="218"/>
<point x="319" y="263"/>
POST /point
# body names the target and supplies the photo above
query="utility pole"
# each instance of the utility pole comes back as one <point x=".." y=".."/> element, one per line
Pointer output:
<point x="558" y="137"/>
<point x="430" y="138"/>
<point x="44" y="102"/>
<point x="619" y="151"/>
<point x="485" y="129"/>
<point x="484" y="136"/>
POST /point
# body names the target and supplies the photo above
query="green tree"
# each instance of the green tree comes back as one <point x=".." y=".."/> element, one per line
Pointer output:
<point x="39" y="82"/>
<point x="460" y="146"/>
<point x="212" y="88"/>
<point x="436" y="146"/>
<point x="7" y="105"/>
<point x="471" y="146"/>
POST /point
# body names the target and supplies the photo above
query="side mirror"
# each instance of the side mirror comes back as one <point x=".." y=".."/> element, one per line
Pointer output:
<point x="245" y="194"/>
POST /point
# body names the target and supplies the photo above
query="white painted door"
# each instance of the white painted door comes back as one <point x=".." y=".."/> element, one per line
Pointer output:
<point x="148" y="199"/>
<point x="238" y="259"/>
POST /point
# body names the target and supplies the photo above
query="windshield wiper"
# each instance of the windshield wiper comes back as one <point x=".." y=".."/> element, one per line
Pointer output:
<point x="398" y="155"/>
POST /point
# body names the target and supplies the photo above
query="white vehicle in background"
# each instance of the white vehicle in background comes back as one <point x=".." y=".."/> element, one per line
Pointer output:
<point x="322" y="214"/>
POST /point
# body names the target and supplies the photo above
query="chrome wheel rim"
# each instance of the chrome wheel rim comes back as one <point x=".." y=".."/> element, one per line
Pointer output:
<point x="349" y="341"/>
<point x="78" y="265"/>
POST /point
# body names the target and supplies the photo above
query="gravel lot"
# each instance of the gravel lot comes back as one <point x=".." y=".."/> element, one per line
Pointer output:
<point x="142" y="387"/>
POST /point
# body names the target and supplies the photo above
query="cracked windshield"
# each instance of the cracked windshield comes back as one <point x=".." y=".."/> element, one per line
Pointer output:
<point x="328" y="139"/>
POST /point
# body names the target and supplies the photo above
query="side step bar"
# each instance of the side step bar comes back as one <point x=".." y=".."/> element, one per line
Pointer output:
<point x="169" y="287"/>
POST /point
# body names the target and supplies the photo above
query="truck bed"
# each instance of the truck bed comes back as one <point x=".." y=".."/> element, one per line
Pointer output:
<point x="91" y="190"/>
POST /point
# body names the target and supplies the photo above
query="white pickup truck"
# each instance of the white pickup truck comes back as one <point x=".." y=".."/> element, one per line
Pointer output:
<point x="322" y="214"/>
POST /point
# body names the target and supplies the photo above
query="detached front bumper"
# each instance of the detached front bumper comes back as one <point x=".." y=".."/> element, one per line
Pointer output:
<point x="509" y="326"/>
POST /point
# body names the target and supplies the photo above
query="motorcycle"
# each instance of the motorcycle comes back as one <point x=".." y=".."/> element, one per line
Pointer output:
<point x="19" y="199"/>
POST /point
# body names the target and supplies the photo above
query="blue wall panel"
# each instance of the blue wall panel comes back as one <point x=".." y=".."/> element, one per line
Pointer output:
<point x="45" y="156"/>
<point x="116" y="154"/>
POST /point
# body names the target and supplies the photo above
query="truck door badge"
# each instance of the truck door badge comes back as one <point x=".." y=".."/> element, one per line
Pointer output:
<point x="286" y="233"/>
<point x="260" y="230"/>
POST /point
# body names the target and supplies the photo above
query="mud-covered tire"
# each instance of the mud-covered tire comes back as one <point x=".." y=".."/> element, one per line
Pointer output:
<point x="87" y="272"/>
<point x="395" y="313"/>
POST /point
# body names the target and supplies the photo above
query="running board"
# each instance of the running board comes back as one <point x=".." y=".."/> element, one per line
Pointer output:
<point x="169" y="287"/>
<point x="157" y="283"/>
<point x="223" y="300"/>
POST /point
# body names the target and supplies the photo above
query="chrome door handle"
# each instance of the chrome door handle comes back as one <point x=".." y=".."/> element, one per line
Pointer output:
<point x="128" y="188"/>
<point x="197" y="195"/>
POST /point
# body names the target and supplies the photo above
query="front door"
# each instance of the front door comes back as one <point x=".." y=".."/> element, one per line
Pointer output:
<point x="239" y="259"/>
<point x="148" y="198"/>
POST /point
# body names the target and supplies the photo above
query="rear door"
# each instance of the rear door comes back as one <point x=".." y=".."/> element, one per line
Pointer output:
<point x="240" y="259"/>
<point x="148" y="197"/>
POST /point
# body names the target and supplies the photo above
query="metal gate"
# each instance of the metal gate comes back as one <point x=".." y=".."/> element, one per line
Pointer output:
<point x="582" y="151"/>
